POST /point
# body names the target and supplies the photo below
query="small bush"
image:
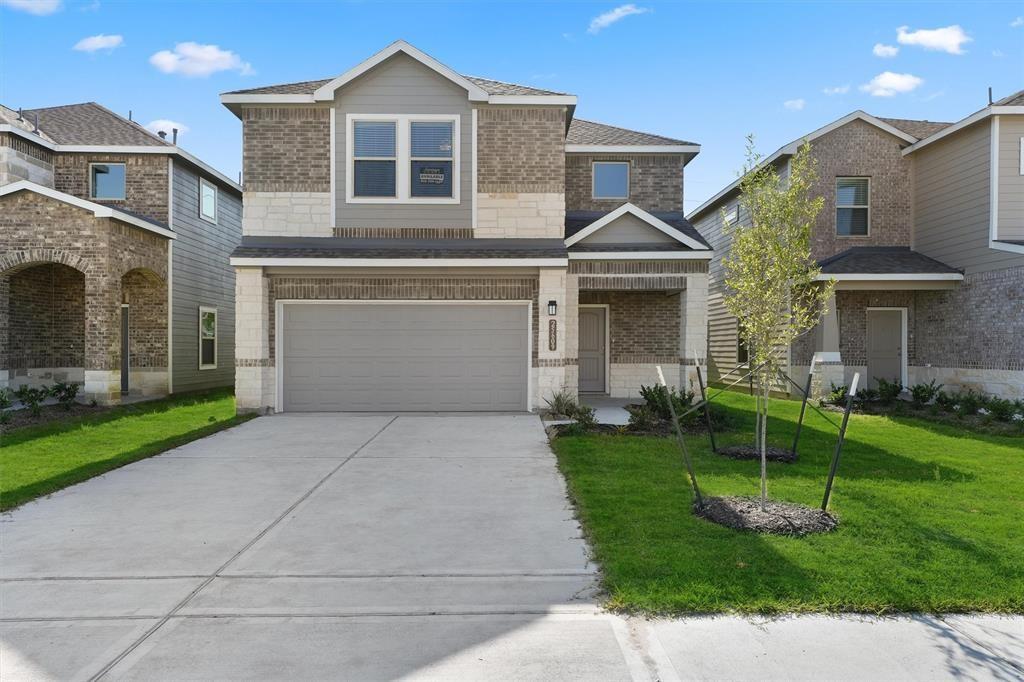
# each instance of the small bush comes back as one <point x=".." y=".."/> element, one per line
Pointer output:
<point x="923" y="394"/>
<point x="585" y="417"/>
<point x="970" y="402"/>
<point x="562" y="404"/>
<point x="867" y="395"/>
<point x="889" y="391"/>
<point x="5" y="418"/>
<point x="5" y="398"/>
<point x="945" y="400"/>
<point x="65" y="393"/>
<point x="642" y="418"/>
<point x="1002" y="410"/>
<point x="837" y="394"/>
<point x="657" y="397"/>
<point x="32" y="398"/>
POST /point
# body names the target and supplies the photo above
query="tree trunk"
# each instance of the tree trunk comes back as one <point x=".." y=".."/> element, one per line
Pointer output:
<point x="763" y="445"/>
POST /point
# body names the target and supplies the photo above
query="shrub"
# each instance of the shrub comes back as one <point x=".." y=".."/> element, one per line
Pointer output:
<point x="65" y="393"/>
<point x="969" y="402"/>
<point x="837" y="394"/>
<point x="945" y="400"/>
<point x="585" y="417"/>
<point x="923" y="394"/>
<point x="1001" y="409"/>
<point x="32" y="398"/>
<point x="867" y="395"/>
<point x="888" y="391"/>
<point x="562" y="404"/>
<point x="657" y="397"/>
<point x="642" y="418"/>
<point x="5" y="398"/>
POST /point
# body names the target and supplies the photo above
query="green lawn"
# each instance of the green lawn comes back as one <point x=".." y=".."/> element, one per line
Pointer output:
<point x="38" y="460"/>
<point x="931" y="519"/>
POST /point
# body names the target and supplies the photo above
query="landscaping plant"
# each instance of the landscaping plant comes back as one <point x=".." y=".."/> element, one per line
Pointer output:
<point x="562" y="404"/>
<point x="922" y="394"/>
<point x="32" y="398"/>
<point x="65" y="392"/>
<point x="889" y="391"/>
<point x="656" y="398"/>
<point x="770" y="275"/>
<point x="5" y="402"/>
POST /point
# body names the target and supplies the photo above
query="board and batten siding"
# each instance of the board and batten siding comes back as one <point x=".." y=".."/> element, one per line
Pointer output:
<point x="1011" y="177"/>
<point x="951" y="202"/>
<point x="202" y="276"/>
<point x="401" y="85"/>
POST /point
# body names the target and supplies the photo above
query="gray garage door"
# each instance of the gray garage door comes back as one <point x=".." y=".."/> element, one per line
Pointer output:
<point x="404" y="357"/>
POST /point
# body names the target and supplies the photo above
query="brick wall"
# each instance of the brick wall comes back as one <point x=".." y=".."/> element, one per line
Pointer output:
<point x="147" y="319"/>
<point x="286" y="149"/>
<point x="643" y="326"/>
<point x="853" y="321"/>
<point x="46" y="318"/>
<point x="655" y="182"/>
<point x="862" y="150"/>
<point x="145" y="180"/>
<point x="521" y="149"/>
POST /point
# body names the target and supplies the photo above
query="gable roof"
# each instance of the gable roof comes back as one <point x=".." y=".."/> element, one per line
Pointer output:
<point x="788" y="150"/>
<point x="580" y="225"/>
<point x="917" y="128"/>
<point x="1011" y="104"/>
<point x="1014" y="100"/>
<point x="877" y="260"/>
<point x="582" y="131"/>
<point x="89" y="123"/>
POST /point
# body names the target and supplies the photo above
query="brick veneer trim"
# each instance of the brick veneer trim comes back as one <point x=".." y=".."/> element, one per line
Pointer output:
<point x="404" y="232"/>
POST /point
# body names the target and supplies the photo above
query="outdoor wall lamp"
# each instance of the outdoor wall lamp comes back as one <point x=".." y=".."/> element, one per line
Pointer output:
<point x="552" y="308"/>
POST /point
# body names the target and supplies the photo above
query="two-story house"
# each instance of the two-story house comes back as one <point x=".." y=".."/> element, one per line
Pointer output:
<point x="923" y="232"/>
<point x="114" y="246"/>
<point x="418" y="239"/>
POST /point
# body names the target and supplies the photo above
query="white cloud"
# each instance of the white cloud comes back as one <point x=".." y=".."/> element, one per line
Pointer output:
<point x="99" y="42"/>
<point x="887" y="84"/>
<point x="950" y="39"/>
<point x="38" y="7"/>
<point x="1017" y="23"/>
<point x="193" y="59"/>
<point x="794" y="104"/>
<point x="881" y="50"/>
<point x="837" y="90"/>
<point x="602" y="21"/>
<point x="167" y="126"/>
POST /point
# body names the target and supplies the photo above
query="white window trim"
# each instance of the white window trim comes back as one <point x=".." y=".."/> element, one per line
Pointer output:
<point x="1020" y="156"/>
<point x="732" y="214"/>
<point x="216" y="323"/>
<point x="403" y="158"/>
<point x="124" y="195"/>
<point x="839" y="206"/>
<point x="203" y="182"/>
<point x="593" y="180"/>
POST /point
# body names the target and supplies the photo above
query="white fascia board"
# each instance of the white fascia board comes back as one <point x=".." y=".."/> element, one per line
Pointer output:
<point x="402" y="262"/>
<point x="326" y="92"/>
<point x="632" y="148"/>
<point x="898" y="277"/>
<point x="538" y="100"/>
<point x="267" y="98"/>
<point x="98" y="210"/>
<point x="642" y="255"/>
<point x="963" y="123"/>
<point x="643" y="215"/>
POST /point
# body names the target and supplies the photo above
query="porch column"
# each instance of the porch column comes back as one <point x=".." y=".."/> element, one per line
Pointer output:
<point x="828" y="361"/>
<point x="102" y="337"/>
<point x="550" y="335"/>
<point x="572" y="333"/>
<point x="255" y="378"/>
<point x="693" y="329"/>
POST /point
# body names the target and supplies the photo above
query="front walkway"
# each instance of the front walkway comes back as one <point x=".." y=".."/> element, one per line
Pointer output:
<point x="327" y="546"/>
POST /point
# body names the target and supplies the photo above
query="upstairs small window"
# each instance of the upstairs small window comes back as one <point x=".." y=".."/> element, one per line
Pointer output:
<point x="207" y="338"/>
<point x="852" y="213"/>
<point x="732" y="214"/>
<point x="611" y="180"/>
<point x="374" y="159"/>
<point x="430" y="158"/>
<point x="106" y="181"/>
<point x="207" y="201"/>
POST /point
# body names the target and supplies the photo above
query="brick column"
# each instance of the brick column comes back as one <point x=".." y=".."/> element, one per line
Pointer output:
<point x="5" y="341"/>
<point x="102" y="337"/>
<point x="255" y="386"/>
<point x="550" y="363"/>
<point x="572" y="333"/>
<point x="693" y="329"/>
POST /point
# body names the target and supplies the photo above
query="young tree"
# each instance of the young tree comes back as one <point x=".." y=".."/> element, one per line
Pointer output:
<point x="770" y="276"/>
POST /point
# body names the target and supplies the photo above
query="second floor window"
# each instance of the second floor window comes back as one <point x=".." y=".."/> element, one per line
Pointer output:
<point x="852" y="212"/>
<point x="106" y="181"/>
<point x="207" y="201"/>
<point x="375" y="157"/>
<point x="611" y="180"/>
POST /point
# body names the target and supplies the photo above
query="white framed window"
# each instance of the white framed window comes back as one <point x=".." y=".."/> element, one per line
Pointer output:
<point x="107" y="181"/>
<point x="207" y="201"/>
<point x="1021" y="156"/>
<point x="610" y="180"/>
<point x="853" y="215"/>
<point x="732" y="214"/>
<point x="207" y="337"/>
<point x="402" y="159"/>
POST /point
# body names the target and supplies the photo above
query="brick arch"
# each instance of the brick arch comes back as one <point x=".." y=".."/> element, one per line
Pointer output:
<point x="14" y="261"/>
<point x="140" y="266"/>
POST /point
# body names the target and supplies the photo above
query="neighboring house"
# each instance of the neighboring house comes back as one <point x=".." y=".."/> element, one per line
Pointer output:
<point x="923" y="231"/>
<point x="114" y="248"/>
<point x="416" y="239"/>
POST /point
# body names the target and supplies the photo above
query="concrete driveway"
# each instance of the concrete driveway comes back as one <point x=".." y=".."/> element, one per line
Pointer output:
<point x="329" y="546"/>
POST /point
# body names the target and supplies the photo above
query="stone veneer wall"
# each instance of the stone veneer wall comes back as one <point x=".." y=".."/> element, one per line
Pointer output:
<point x="655" y="182"/>
<point x="22" y="160"/>
<point x="520" y="171"/>
<point x="287" y="214"/>
<point x="145" y="180"/>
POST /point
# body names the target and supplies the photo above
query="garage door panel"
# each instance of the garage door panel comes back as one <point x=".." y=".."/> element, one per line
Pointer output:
<point x="404" y="357"/>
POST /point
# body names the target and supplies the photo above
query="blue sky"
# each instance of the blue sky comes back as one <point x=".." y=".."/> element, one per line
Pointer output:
<point x="706" y="72"/>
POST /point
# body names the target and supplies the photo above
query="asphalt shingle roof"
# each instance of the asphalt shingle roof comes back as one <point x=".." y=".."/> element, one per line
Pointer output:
<point x="882" y="260"/>
<point x="590" y="132"/>
<point x="577" y="220"/>
<point x="91" y="124"/>
<point x="919" y="129"/>
<point x="342" y="247"/>
<point x="1014" y="100"/>
<point x="490" y="85"/>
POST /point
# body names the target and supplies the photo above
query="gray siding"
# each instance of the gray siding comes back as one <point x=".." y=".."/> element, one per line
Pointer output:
<point x="951" y="202"/>
<point x="202" y="276"/>
<point x="401" y="85"/>
<point x="1011" y="180"/>
<point x="628" y="229"/>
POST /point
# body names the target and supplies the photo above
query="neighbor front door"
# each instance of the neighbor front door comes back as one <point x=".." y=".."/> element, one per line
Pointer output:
<point x="884" y="346"/>
<point x="592" y="351"/>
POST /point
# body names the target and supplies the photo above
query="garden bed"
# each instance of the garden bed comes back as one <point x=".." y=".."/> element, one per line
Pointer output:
<point x="771" y="453"/>
<point x="19" y="419"/>
<point x="777" y="518"/>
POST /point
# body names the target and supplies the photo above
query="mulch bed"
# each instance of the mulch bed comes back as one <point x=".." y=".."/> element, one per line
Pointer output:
<point x="659" y="429"/>
<point x="771" y="453"/>
<point x="19" y="419"/>
<point x="778" y="518"/>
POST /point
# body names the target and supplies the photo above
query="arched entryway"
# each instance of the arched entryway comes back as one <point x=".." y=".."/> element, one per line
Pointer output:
<point x="143" y="351"/>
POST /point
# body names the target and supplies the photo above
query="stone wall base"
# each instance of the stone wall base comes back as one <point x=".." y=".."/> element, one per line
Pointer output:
<point x="625" y="380"/>
<point x="37" y="376"/>
<point x="255" y="389"/>
<point x="1004" y="383"/>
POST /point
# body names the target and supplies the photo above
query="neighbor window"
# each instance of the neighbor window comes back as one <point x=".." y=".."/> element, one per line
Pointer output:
<point x="742" y="354"/>
<point x="207" y="338"/>
<point x="207" y="201"/>
<point x="852" y="215"/>
<point x="611" y="180"/>
<point x="403" y="159"/>
<point x="732" y="214"/>
<point x="106" y="181"/>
